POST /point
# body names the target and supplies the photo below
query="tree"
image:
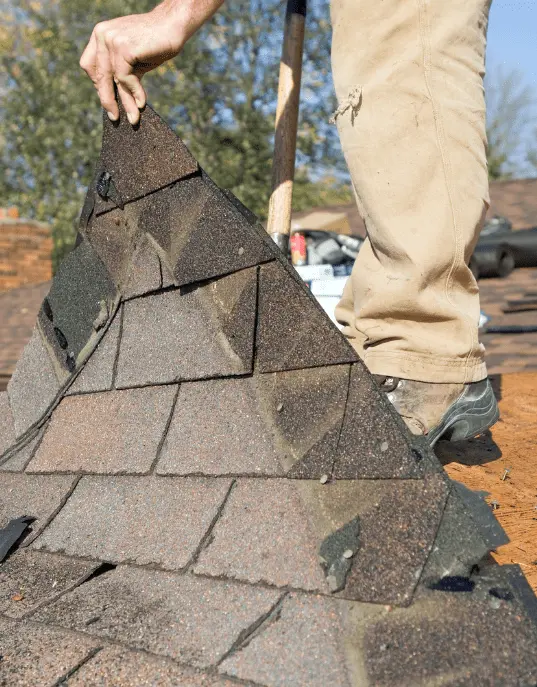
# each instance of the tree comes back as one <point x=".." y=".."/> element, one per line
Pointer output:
<point x="219" y="95"/>
<point x="510" y="112"/>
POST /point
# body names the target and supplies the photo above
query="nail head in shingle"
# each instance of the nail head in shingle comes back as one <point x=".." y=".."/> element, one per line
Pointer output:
<point x="70" y="361"/>
<point x="241" y="250"/>
<point x="280" y="407"/>
<point x="384" y="446"/>
<point x="348" y="553"/>
<point x="324" y="479"/>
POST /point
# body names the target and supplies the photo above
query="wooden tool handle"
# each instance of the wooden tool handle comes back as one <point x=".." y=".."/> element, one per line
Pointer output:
<point x="283" y="164"/>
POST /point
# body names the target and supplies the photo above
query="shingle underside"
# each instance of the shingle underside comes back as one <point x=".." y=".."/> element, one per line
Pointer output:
<point x="221" y="495"/>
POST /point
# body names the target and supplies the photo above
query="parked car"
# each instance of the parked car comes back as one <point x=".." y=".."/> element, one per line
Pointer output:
<point x="507" y="249"/>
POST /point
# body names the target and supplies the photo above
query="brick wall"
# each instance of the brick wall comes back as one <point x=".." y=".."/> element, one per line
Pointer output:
<point x="25" y="251"/>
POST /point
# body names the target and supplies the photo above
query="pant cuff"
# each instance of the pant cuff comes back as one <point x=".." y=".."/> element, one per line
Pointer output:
<point x="422" y="368"/>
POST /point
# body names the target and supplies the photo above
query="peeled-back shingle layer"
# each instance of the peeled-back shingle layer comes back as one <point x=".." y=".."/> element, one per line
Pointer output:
<point x="221" y="494"/>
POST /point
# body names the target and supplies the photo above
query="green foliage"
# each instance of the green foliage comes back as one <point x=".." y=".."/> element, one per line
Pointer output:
<point x="329" y="190"/>
<point x="219" y="95"/>
<point x="510" y="113"/>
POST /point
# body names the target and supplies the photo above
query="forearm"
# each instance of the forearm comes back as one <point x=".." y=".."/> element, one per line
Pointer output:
<point x="187" y="16"/>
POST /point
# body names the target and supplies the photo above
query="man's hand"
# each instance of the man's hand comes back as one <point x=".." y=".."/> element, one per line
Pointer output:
<point x="122" y="50"/>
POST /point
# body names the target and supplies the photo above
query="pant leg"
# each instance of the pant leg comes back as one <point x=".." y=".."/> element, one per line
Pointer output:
<point x="415" y="145"/>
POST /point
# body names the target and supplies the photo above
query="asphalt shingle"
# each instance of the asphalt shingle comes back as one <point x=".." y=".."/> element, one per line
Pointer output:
<point x="203" y="234"/>
<point x="29" y="578"/>
<point x="453" y="638"/>
<point x="306" y="409"/>
<point x="159" y="521"/>
<point x="113" y="237"/>
<point x="263" y="535"/>
<point x="283" y="576"/>
<point x="374" y="442"/>
<point x="195" y="621"/>
<point x="142" y="159"/>
<point x="7" y="428"/>
<point x="33" y="386"/>
<point x="162" y="334"/>
<point x="97" y="374"/>
<point x="145" y="274"/>
<point x="293" y="332"/>
<point x="219" y="427"/>
<point x="39" y="496"/>
<point x="113" y="432"/>
<point x="300" y="645"/>
<point x="33" y="656"/>
<point x="122" y="668"/>
<point x="396" y="524"/>
<point x="81" y="296"/>
<point x="458" y="546"/>
<point x="20" y="459"/>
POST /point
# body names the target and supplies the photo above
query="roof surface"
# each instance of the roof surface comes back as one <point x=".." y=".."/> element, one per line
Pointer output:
<point x="515" y="199"/>
<point x="18" y="310"/>
<point x="507" y="353"/>
<point x="220" y="493"/>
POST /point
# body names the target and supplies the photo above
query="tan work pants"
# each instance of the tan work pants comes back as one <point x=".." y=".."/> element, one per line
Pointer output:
<point x="411" y="118"/>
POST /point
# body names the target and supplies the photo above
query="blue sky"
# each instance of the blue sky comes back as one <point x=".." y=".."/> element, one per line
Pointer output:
<point x="512" y="46"/>
<point x="512" y="38"/>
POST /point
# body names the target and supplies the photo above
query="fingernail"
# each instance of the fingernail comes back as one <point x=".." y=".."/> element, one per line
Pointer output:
<point x="111" y="116"/>
<point x="131" y="118"/>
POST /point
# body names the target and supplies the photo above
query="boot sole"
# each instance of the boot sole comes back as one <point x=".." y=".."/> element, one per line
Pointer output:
<point x="467" y="418"/>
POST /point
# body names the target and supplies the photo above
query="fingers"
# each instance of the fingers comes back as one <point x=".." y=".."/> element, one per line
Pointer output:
<point x="105" y="80"/>
<point x="131" y="108"/>
<point x="87" y="60"/>
<point x="133" y="84"/>
<point x="130" y="88"/>
<point x="95" y="61"/>
<point x="106" y="60"/>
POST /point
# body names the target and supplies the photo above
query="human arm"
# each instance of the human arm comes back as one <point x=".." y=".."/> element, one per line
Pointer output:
<point x="122" y="50"/>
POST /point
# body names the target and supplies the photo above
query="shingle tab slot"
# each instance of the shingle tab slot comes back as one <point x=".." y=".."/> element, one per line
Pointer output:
<point x="193" y="620"/>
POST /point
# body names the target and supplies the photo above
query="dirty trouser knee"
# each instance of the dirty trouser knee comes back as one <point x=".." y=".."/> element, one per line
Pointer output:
<point x="411" y="118"/>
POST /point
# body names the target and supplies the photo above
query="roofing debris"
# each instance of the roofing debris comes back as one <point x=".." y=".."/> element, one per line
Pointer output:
<point x="221" y="494"/>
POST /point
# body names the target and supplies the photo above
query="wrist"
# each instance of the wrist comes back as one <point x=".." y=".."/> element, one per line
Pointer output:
<point x="185" y="17"/>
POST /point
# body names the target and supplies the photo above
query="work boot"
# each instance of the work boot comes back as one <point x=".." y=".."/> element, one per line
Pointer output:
<point x="447" y="411"/>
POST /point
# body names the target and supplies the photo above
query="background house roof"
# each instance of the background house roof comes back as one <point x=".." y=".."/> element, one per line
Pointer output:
<point x="516" y="200"/>
<point x="18" y="312"/>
